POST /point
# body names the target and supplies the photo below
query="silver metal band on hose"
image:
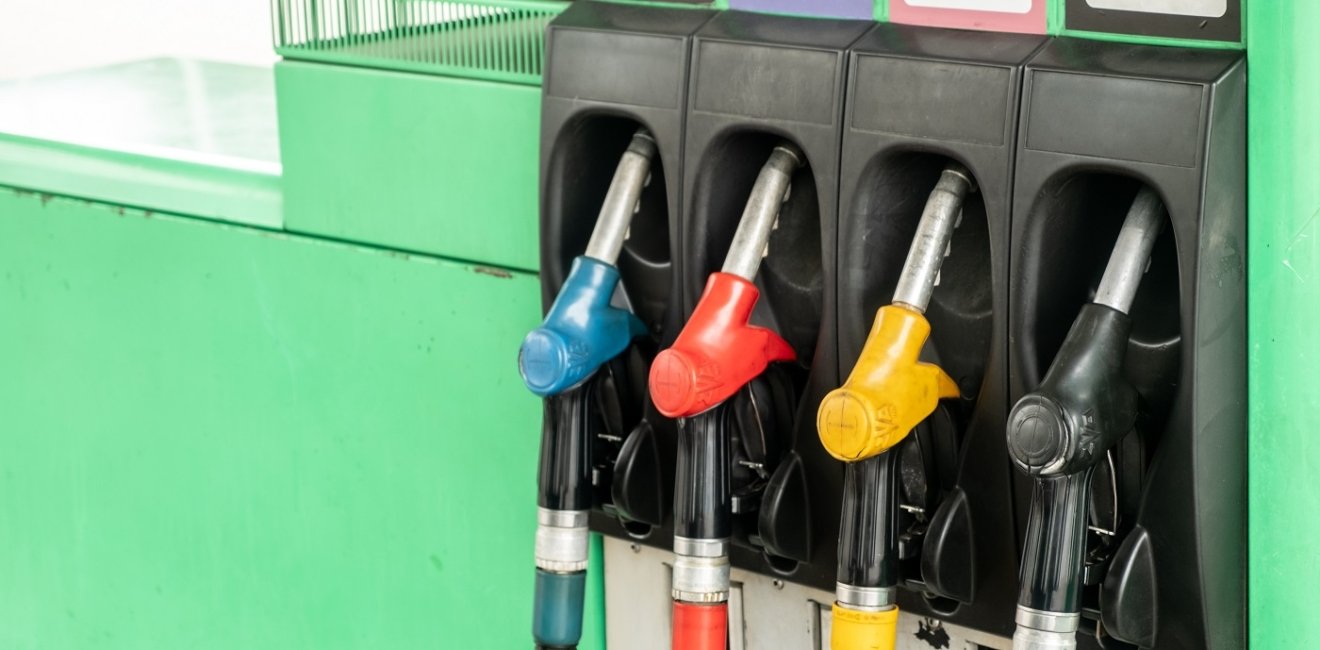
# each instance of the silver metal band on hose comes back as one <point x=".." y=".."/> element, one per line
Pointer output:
<point x="762" y="209"/>
<point x="562" y="540"/>
<point x="700" y="547"/>
<point x="562" y="518"/>
<point x="1040" y="630"/>
<point x="701" y="579"/>
<point x="1047" y="621"/>
<point x="934" y="232"/>
<point x="1131" y="253"/>
<point x="1025" y="638"/>
<point x="621" y="200"/>
<point x="865" y="598"/>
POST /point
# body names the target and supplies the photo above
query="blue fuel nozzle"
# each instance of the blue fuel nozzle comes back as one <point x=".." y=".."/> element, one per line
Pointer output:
<point x="580" y="334"/>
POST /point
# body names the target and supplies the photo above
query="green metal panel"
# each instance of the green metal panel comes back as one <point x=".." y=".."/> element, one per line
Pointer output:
<point x="498" y="40"/>
<point x="439" y="165"/>
<point x="224" y="437"/>
<point x="174" y="135"/>
<point x="1284" y="234"/>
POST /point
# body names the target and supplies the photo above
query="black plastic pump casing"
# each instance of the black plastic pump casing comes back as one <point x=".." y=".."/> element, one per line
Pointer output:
<point x="920" y="99"/>
<point x="1059" y="135"/>
<point x="590" y="108"/>
<point x="1099" y="121"/>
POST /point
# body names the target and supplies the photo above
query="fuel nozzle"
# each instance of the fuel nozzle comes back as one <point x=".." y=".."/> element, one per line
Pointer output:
<point x="887" y="394"/>
<point x="716" y="354"/>
<point x="1062" y="431"/>
<point x="582" y="330"/>
<point x="889" y="391"/>
<point x="558" y="361"/>
<point x="718" y="351"/>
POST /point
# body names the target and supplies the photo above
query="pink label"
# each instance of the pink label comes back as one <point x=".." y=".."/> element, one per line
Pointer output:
<point x="1025" y="16"/>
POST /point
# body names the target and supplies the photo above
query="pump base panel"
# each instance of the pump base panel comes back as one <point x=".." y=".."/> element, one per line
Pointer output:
<point x="764" y="613"/>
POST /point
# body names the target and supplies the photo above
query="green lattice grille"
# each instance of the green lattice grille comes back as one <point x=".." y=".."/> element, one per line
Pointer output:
<point x="501" y="40"/>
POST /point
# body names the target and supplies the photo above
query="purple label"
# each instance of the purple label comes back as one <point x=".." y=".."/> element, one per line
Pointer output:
<point x="837" y="8"/>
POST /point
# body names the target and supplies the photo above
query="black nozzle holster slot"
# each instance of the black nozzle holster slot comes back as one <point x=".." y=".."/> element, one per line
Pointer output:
<point x="564" y="476"/>
<point x="703" y="500"/>
<point x="1084" y="406"/>
<point x="868" y="529"/>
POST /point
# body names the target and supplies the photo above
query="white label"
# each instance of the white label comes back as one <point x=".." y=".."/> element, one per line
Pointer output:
<point x="1199" y="8"/>
<point x="1000" y="6"/>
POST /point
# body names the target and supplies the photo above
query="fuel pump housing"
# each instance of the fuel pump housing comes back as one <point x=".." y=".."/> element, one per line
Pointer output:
<point x="1099" y="120"/>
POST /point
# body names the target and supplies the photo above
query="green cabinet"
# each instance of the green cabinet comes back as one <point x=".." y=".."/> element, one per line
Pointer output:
<point x="222" y="437"/>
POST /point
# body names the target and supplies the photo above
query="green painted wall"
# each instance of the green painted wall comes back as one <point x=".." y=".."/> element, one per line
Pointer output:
<point x="218" y="437"/>
<point x="1284" y="234"/>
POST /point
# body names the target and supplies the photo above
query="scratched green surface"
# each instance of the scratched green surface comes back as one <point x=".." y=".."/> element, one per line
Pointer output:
<point x="438" y="165"/>
<point x="221" y="437"/>
<point x="1284" y="234"/>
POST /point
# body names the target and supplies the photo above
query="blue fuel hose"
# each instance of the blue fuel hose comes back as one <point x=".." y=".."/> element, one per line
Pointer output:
<point x="557" y="610"/>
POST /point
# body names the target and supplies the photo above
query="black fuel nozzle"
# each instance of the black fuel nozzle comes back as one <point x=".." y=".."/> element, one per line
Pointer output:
<point x="1084" y="405"/>
<point x="1060" y="432"/>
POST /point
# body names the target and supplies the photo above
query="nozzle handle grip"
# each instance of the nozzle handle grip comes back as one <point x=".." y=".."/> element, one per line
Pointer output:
<point x="868" y="528"/>
<point x="703" y="499"/>
<point x="580" y="333"/>
<point x="1055" y="545"/>
<point x="564" y="471"/>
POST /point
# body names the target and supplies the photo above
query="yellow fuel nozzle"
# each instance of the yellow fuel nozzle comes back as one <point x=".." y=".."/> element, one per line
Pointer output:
<point x="853" y="629"/>
<point x="888" y="392"/>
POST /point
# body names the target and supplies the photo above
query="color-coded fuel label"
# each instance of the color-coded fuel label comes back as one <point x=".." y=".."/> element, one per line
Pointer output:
<point x="1024" y="16"/>
<point x="1008" y="6"/>
<point x="862" y="9"/>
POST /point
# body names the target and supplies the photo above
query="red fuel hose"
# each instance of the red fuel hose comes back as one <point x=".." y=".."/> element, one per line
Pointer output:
<point x="700" y="626"/>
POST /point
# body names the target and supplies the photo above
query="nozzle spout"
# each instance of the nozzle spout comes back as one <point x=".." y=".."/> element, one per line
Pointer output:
<point x="1131" y="253"/>
<point x="762" y="210"/>
<point x="621" y="201"/>
<point x="926" y="255"/>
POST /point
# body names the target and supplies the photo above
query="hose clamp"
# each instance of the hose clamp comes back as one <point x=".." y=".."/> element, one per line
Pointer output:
<point x="866" y="599"/>
<point x="701" y="579"/>
<point x="692" y="547"/>
<point x="1026" y="638"/>
<point x="562" y="540"/>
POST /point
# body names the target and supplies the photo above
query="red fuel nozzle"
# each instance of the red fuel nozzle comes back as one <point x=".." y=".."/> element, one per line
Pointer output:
<point x="717" y="352"/>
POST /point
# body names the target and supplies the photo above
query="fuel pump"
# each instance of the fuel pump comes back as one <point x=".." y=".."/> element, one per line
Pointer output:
<point x="887" y="393"/>
<point x="558" y="361"/>
<point x="715" y="355"/>
<point x="1059" y="434"/>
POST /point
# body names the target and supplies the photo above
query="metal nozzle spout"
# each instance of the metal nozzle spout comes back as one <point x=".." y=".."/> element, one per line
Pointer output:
<point x="621" y="200"/>
<point x="1131" y="254"/>
<point x="934" y="233"/>
<point x="758" y="217"/>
